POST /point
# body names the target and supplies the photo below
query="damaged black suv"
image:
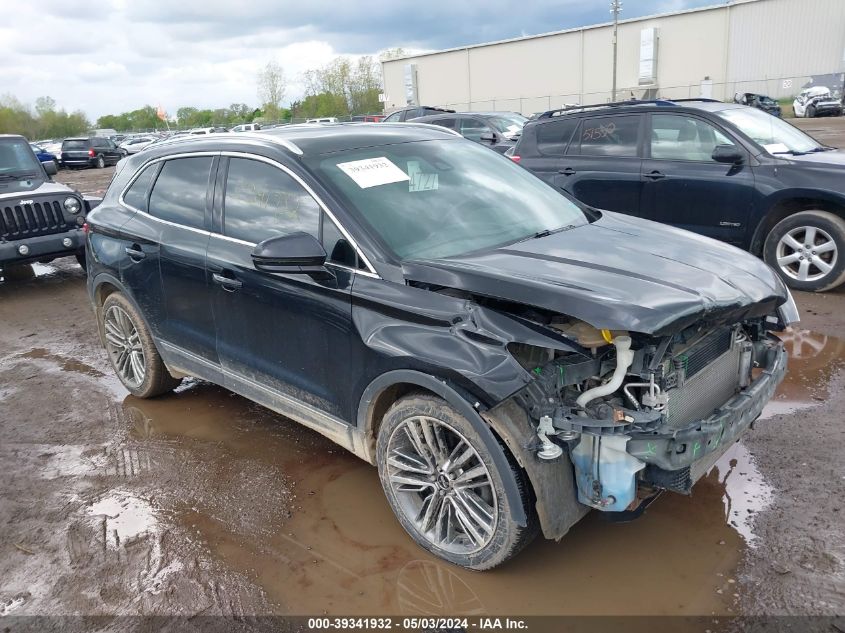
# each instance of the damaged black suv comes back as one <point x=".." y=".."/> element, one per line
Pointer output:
<point x="40" y="220"/>
<point x="507" y="357"/>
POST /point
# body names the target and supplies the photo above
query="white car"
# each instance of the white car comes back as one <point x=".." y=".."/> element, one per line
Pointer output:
<point x="246" y="127"/>
<point x="325" y="119"/>
<point x="136" y="144"/>
<point x="816" y="101"/>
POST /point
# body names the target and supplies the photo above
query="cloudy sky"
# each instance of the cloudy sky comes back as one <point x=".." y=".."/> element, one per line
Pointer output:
<point x="110" y="56"/>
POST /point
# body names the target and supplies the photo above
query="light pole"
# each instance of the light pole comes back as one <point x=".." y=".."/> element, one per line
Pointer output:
<point x="615" y="8"/>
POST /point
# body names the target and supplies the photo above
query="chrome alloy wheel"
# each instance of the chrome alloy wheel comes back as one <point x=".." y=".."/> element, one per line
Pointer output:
<point x="441" y="485"/>
<point x="123" y="344"/>
<point x="806" y="253"/>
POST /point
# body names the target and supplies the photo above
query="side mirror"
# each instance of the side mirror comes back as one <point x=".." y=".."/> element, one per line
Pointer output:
<point x="488" y="137"/>
<point x="294" y="253"/>
<point x="729" y="154"/>
<point x="50" y="167"/>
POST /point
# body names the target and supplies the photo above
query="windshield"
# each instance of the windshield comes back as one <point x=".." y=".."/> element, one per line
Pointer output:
<point x="16" y="158"/>
<point x="774" y="134"/>
<point x="508" y="124"/>
<point x="432" y="199"/>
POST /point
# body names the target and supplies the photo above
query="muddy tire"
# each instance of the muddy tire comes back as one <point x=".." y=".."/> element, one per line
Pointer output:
<point x="807" y="249"/>
<point x="444" y="487"/>
<point x="131" y="350"/>
<point x="811" y="112"/>
<point x="101" y="163"/>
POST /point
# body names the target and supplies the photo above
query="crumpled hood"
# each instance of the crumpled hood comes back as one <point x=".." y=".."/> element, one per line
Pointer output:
<point x="618" y="273"/>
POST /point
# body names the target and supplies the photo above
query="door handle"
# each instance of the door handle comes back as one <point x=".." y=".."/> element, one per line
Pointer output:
<point x="135" y="253"/>
<point x="566" y="171"/>
<point x="655" y="175"/>
<point x="228" y="283"/>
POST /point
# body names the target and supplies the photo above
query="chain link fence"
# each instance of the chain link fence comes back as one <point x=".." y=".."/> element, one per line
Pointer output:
<point x="783" y="89"/>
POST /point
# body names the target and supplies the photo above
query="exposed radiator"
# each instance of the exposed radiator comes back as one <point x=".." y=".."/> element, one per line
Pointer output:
<point x="712" y="384"/>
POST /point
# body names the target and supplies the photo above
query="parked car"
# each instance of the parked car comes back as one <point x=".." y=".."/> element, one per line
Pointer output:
<point x="44" y="156"/>
<point x="414" y="112"/>
<point x="816" y="101"/>
<point x="246" y="127"/>
<point x="137" y="143"/>
<point x="762" y="102"/>
<point x="40" y="220"/>
<point x="90" y="152"/>
<point x="497" y="130"/>
<point x="368" y="118"/>
<point x="723" y="170"/>
<point x="507" y="357"/>
<point x="325" y="119"/>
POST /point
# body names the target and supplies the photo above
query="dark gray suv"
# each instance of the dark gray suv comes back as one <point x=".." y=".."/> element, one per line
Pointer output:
<point x="724" y="170"/>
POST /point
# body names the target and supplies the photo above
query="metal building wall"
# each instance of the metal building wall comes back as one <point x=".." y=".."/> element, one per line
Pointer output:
<point x="748" y="45"/>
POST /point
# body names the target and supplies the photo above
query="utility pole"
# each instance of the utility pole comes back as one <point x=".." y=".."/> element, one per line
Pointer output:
<point x="615" y="8"/>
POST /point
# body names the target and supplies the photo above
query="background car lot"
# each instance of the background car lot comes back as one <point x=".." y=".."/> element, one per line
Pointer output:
<point x="127" y="506"/>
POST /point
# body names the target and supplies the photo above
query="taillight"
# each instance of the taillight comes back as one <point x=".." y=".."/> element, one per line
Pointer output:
<point x="515" y="158"/>
<point x="91" y="152"/>
<point x="86" y="229"/>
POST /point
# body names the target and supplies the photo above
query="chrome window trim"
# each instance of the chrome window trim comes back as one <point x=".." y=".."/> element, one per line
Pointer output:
<point x="138" y="174"/>
<point x="370" y="272"/>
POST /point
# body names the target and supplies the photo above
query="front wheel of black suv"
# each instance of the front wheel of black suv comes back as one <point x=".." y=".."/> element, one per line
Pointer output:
<point x="444" y="487"/>
<point x="131" y="349"/>
<point x="807" y="249"/>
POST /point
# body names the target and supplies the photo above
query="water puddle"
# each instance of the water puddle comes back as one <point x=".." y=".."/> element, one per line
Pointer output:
<point x="814" y="359"/>
<point x="332" y="544"/>
<point x="65" y="363"/>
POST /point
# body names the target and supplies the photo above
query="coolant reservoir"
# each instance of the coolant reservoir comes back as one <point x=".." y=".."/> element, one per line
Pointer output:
<point x="586" y="334"/>
<point x="617" y="472"/>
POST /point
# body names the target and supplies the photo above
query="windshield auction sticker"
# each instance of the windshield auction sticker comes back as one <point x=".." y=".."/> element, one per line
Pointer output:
<point x="372" y="172"/>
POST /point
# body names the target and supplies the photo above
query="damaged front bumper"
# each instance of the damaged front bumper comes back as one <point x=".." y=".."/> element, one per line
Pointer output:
<point x="609" y="468"/>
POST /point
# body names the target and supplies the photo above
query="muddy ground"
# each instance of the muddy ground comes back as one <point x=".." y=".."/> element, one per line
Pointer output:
<point x="204" y="503"/>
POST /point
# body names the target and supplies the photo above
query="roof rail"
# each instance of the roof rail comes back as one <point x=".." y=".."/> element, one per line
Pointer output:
<point x="616" y="104"/>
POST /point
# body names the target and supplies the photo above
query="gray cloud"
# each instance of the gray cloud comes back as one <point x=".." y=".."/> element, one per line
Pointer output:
<point x="116" y="55"/>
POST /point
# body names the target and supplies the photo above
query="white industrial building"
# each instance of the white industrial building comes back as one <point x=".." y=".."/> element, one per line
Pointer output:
<point x="774" y="47"/>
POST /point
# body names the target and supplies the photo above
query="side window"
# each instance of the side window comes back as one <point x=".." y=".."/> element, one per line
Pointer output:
<point x="179" y="192"/>
<point x="607" y="136"/>
<point x="553" y="137"/>
<point x="394" y="118"/>
<point x="448" y="122"/>
<point x="472" y="129"/>
<point x="677" y="137"/>
<point x="262" y="201"/>
<point x="338" y="248"/>
<point x="136" y="195"/>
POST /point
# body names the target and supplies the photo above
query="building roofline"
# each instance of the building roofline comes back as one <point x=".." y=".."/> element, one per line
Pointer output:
<point x="576" y="29"/>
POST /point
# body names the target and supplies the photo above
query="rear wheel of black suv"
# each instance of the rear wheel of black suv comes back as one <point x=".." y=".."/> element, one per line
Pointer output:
<point x="807" y="249"/>
<point x="101" y="163"/>
<point x="131" y="349"/>
<point x="444" y="487"/>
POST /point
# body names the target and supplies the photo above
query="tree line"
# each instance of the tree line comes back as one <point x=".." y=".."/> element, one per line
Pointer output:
<point x="44" y="120"/>
<point x="342" y="88"/>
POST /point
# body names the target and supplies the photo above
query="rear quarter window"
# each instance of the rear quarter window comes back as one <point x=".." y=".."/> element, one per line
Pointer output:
<point x="136" y="195"/>
<point x="553" y="137"/>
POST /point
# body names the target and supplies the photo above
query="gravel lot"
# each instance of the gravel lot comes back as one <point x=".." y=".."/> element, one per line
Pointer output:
<point x="202" y="502"/>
